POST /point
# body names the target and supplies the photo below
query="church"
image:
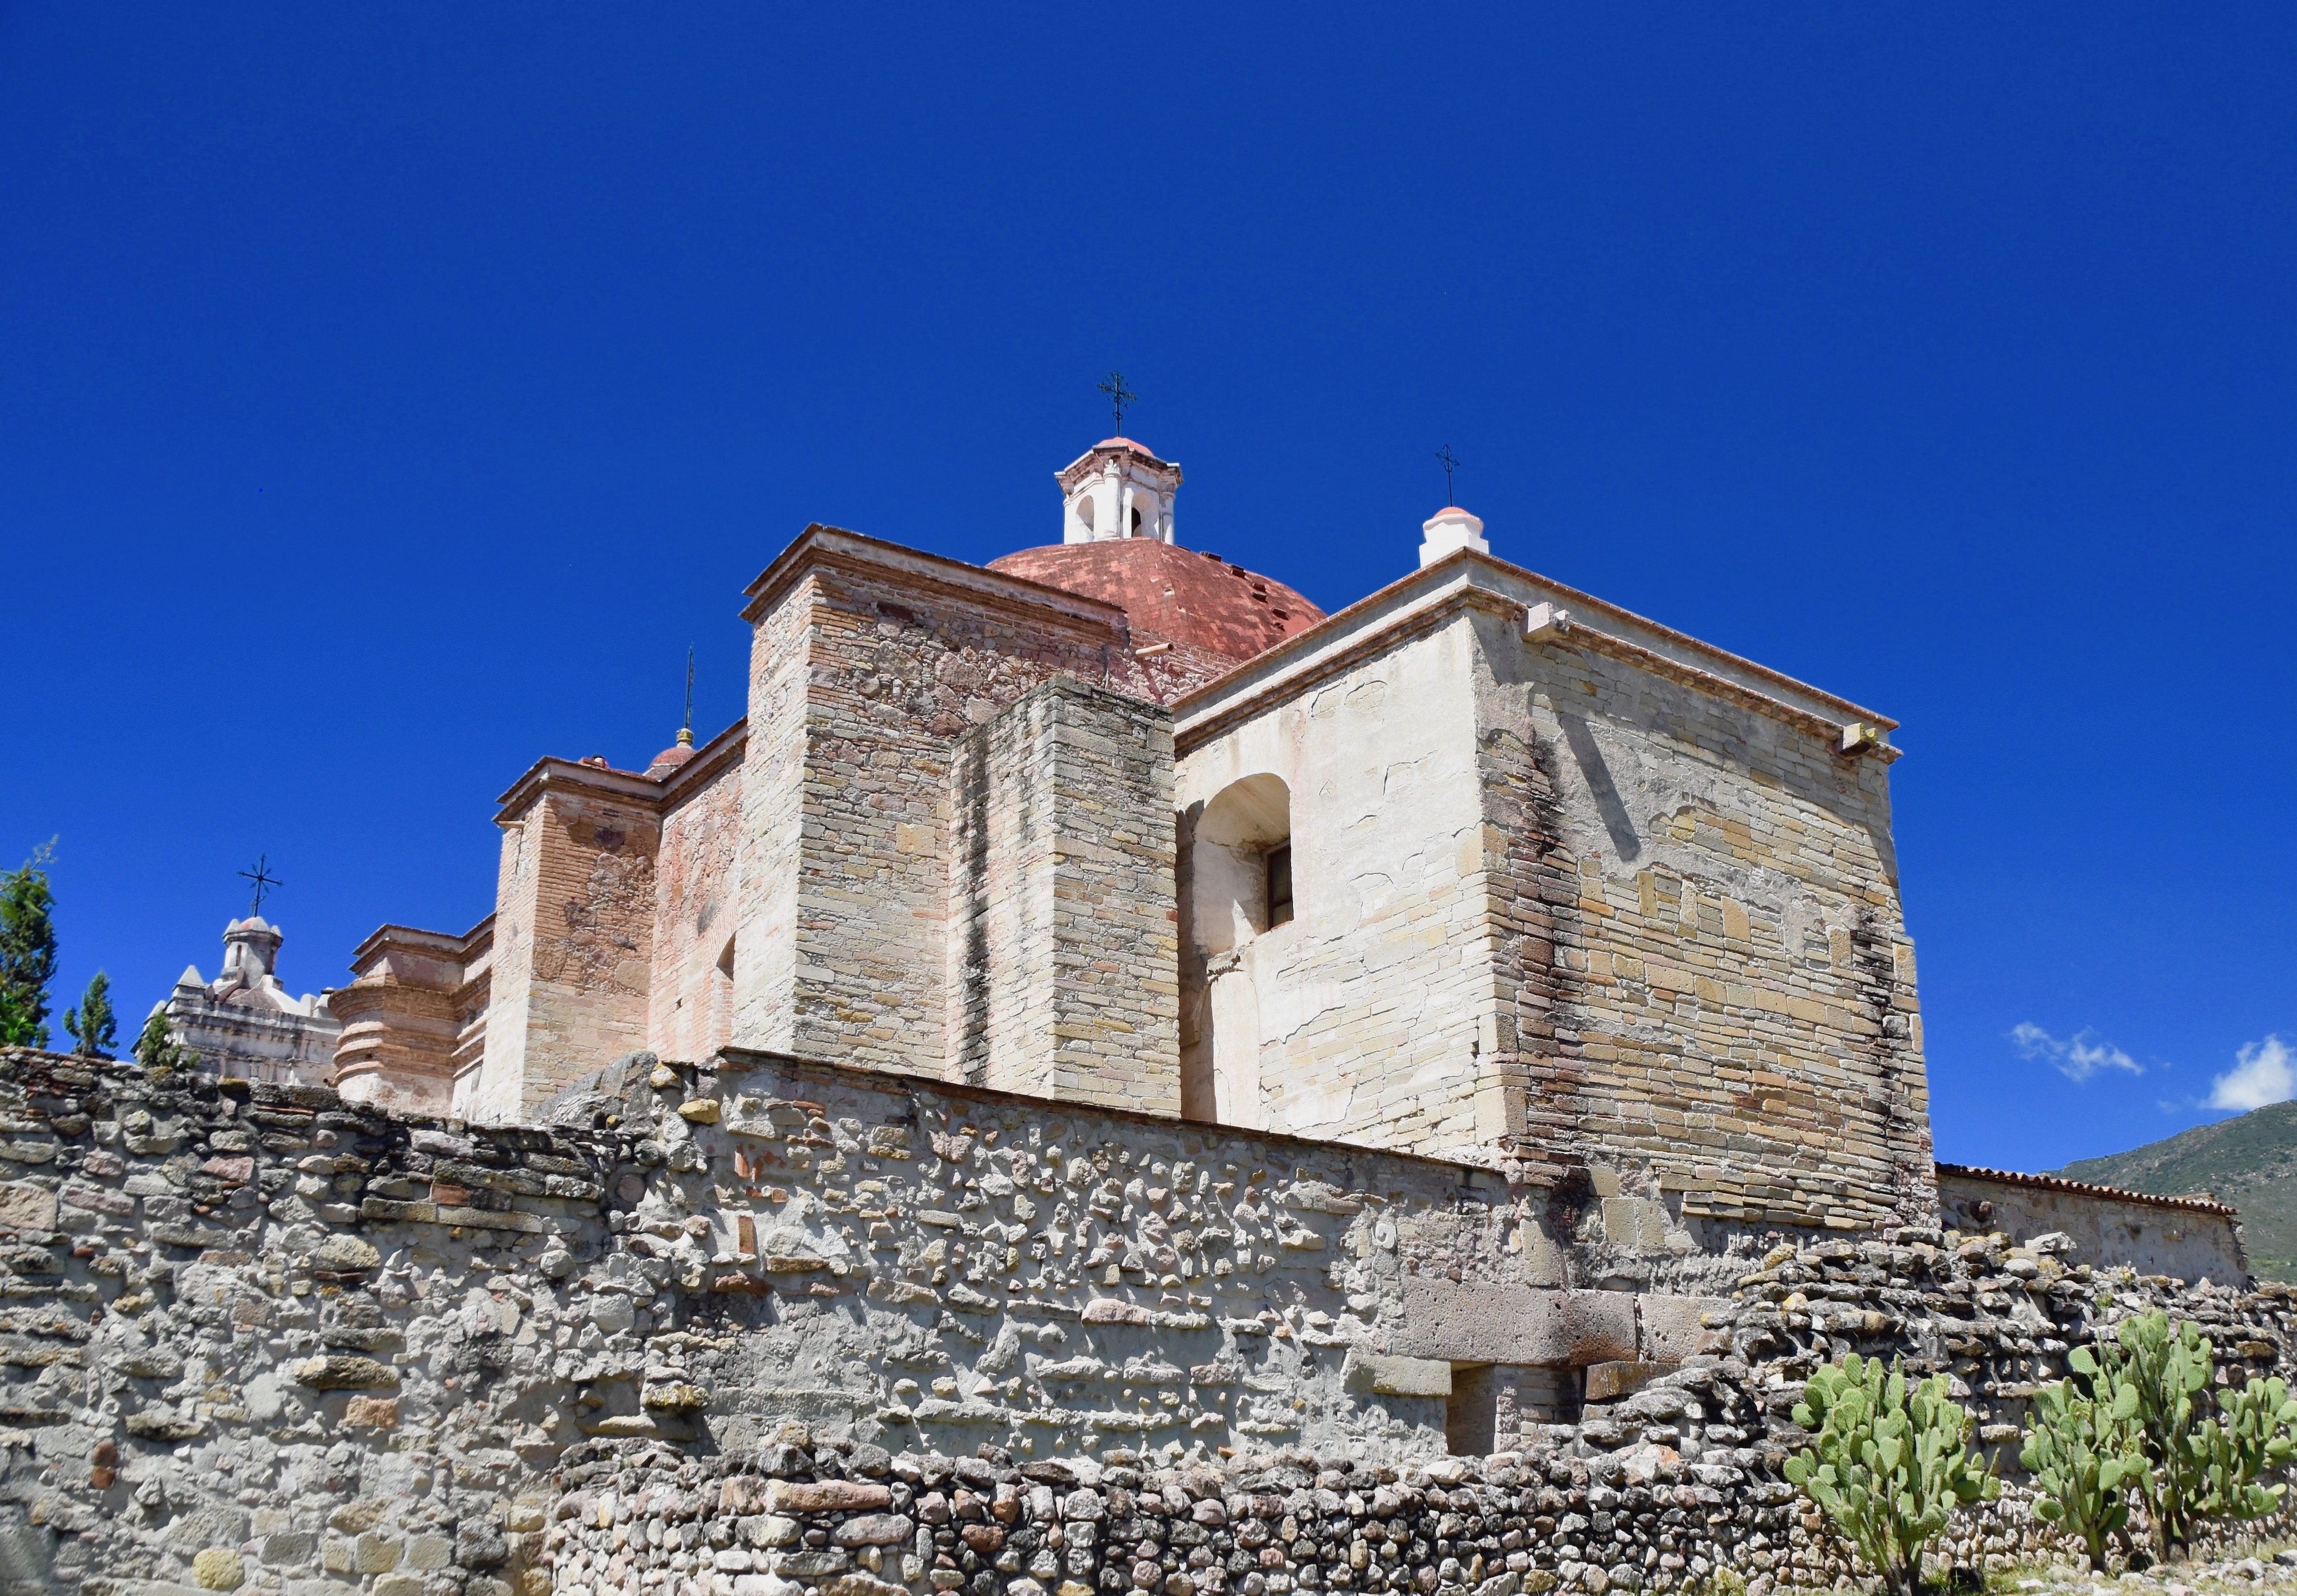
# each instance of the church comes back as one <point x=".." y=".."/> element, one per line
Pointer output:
<point x="1479" y="868"/>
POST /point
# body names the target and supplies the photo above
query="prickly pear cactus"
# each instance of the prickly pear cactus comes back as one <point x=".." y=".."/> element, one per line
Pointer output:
<point x="2085" y="1455"/>
<point x="1889" y="1464"/>
<point x="2202" y="1448"/>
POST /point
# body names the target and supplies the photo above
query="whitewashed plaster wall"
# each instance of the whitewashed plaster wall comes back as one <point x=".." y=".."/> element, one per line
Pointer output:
<point x="1360" y="1014"/>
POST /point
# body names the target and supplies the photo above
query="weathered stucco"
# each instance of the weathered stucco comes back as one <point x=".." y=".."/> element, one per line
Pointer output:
<point x="2184" y="1238"/>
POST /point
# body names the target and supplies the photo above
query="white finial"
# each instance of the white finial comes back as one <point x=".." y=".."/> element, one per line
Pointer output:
<point x="1449" y="530"/>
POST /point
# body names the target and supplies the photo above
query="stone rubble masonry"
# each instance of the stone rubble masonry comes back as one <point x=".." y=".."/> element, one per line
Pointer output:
<point x="708" y="1326"/>
<point x="1060" y="938"/>
<point x="1662" y="1489"/>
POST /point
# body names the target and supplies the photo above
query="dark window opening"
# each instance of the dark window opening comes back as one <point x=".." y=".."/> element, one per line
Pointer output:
<point x="1136" y="524"/>
<point x="1280" y="885"/>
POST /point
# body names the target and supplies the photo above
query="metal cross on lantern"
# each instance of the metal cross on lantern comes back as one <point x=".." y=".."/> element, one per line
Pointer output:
<point x="1119" y="396"/>
<point x="263" y="879"/>
<point x="1449" y="466"/>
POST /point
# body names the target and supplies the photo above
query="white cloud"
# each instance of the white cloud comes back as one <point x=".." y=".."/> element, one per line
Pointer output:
<point x="2262" y="1073"/>
<point x="2077" y="1057"/>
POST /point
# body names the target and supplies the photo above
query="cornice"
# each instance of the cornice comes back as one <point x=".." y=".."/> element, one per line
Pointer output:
<point x="819" y="546"/>
<point x="1411" y="605"/>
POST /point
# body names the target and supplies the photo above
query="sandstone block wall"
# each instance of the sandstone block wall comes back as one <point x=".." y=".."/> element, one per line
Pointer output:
<point x="1724" y="1002"/>
<point x="870" y="666"/>
<point x="414" y="1016"/>
<point x="1061" y="943"/>
<point x="893" y="674"/>
<point x="1600" y="902"/>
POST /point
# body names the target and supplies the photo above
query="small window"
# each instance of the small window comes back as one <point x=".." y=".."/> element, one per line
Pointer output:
<point x="1136" y="523"/>
<point x="1280" y="885"/>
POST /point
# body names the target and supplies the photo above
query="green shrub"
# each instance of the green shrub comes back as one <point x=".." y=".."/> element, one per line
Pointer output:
<point x="1889" y="1464"/>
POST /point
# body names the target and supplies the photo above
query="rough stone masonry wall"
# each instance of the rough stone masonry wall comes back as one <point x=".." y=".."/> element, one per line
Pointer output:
<point x="713" y="1337"/>
<point x="1062" y="947"/>
<point x="1659" y="1491"/>
<point x="306" y="1341"/>
<point x="1719" y="995"/>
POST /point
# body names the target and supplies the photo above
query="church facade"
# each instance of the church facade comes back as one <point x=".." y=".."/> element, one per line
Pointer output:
<point x="1479" y="868"/>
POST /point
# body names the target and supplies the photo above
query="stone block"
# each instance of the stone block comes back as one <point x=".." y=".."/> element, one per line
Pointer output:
<point x="375" y="1554"/>
<point x="1382" y="1375"/>
<point x="1609" y="1381"/>
<point x="1671" y="1330"/>
<point x="286" y="1548"/>
<point x="341" y="1373"/>
<point x="218" y="1569"/>
<point x="26" y="1208"/>
<point x="1486" y="1321"/>
<point x="825" y="1496"/>
<point x="372" y="1413"/>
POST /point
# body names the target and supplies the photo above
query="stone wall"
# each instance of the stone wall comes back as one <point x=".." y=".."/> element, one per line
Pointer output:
<point x="867" y="674"/>
<point x="1060" y="951"/>
<point x="2189" y="1239"/>
<point x="697" y="881"/>
<point x="573" y="939"/>
<point x="1662" y="1489"/>
<point x="254" y="1337"/>
<point x="1732" y="988"/>
<point x="1598" y="899"/>
<point x="870" y="666"/>
<point x="317" y="1341"/>
<point x="414" y="1016"/>
<point x="1361" y="1018"/>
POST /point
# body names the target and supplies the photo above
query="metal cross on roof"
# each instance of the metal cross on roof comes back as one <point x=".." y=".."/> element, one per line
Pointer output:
<point x="263" y="879"/>
<point x="1119" y="396"/>
<point x="1449" y="466"/>
<point x="689" y="689"/>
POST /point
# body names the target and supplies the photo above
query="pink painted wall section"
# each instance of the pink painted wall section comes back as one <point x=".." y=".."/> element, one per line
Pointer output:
<point x="690" y="1001"/>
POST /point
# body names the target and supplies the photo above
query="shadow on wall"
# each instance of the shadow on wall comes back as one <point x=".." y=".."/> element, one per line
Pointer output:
<point x="1234" y="876"/>
<point x="1606" y="792"/>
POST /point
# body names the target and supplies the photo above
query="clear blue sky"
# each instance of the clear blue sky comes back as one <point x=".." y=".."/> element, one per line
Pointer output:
<point x="389" y="395"/>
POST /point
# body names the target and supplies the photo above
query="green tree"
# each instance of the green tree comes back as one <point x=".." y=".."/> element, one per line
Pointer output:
<point x="156" y="1050"/>
<point x="28" y="950"/>
<point x="93" y="1025"/>
<point x="1889" y="1463"/>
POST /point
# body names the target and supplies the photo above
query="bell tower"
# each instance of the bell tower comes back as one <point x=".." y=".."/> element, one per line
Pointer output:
<point x="1115" y="490"/>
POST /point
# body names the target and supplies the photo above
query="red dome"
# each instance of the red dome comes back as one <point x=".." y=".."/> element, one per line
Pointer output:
<point x="1197" y="599"/>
